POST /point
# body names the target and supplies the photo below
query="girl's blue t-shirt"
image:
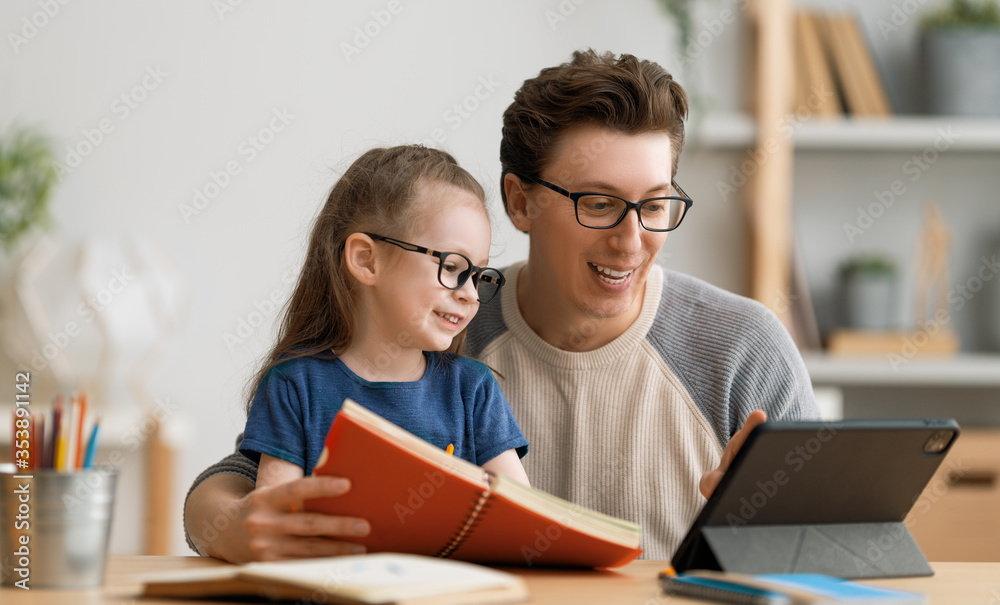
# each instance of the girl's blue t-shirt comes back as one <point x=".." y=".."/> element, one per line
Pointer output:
<point x="457" y="402"/>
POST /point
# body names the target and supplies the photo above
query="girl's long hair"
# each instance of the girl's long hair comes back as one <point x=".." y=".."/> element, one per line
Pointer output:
<point x="375" y="195"/>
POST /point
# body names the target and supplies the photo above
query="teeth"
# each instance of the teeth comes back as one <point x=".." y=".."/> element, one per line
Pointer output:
<point x="610" y="275"/>
<point x="453" y="319"/>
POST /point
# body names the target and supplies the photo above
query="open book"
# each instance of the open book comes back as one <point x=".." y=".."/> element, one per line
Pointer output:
<point x="420" y="500"/>
<point x="382" y="578"/>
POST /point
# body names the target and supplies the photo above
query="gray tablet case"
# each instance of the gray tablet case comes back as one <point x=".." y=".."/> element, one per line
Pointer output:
<point x="820" y="497"/>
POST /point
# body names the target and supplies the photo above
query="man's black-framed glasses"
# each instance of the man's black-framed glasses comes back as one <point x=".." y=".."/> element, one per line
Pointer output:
<point x="454" y="269"/>
<point x="596" y="210"/>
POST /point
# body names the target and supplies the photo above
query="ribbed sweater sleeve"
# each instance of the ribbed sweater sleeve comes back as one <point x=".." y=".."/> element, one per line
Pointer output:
<point x="732" y="355"/>
<point x="233" y="464"/>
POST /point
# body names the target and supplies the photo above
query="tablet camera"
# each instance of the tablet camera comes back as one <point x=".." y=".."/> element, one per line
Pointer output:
<point x="938" y="442"/>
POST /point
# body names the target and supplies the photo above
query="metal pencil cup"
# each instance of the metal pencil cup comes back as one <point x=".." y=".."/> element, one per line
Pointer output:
<point x="54" y="526"/>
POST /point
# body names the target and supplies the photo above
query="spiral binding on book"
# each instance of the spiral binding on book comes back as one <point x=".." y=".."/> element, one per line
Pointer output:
<point x="470" y="522"/>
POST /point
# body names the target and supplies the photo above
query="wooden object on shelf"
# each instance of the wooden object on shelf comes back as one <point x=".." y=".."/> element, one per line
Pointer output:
<point x="815" y="89"/>
<point x="768" y="199"/>
<point x="932" y="265"/>
<point x="956" y="516"/>
<point x="854" y="66"/>
<point x="905" y="344"/>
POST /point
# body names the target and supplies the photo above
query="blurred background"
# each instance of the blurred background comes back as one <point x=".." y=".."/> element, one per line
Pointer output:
<point x="195" y="141"/>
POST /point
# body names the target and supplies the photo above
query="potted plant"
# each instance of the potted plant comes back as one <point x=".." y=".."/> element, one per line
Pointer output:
<point x="869" y="283"/>
<point x="960" y="48"/>
<point x="27" y="173"/>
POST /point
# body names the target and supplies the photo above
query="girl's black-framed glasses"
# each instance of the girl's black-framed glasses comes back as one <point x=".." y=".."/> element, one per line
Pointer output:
<point x="454" y="269"/>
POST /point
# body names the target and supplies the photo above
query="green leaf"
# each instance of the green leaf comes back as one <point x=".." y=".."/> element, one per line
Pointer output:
<point x="27" y="174"/>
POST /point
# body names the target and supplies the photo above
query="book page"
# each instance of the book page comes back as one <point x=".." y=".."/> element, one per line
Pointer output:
<point x="383" y="577"/>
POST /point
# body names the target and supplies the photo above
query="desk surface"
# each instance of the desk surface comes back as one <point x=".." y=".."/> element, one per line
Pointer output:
<point x="953" y="583"/>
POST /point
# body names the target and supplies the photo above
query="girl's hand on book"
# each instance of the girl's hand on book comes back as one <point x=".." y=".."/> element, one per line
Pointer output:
<point x="273" y="531"/>
<point x="710" y="480"/>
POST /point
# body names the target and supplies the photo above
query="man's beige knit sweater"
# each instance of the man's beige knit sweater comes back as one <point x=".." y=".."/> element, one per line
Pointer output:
<point x="629" y="428"/>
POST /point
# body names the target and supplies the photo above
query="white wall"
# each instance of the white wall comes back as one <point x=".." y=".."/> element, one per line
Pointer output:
<point x="221" y="78"/>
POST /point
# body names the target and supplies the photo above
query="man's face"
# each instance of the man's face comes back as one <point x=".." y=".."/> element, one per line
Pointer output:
<point x="595" y="273"/>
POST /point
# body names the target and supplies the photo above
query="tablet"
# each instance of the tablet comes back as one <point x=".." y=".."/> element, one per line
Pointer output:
<point x="822" y="497"/>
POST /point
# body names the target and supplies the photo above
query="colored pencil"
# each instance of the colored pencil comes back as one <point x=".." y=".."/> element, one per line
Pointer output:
<point x="92" y="445"/>
<point x="53" y="444"/>
<point x="65" y="418"/>
<point x="79" y="451"/>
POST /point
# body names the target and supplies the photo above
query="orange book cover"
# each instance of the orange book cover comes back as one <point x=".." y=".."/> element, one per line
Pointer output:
<point x="420" y="500"/>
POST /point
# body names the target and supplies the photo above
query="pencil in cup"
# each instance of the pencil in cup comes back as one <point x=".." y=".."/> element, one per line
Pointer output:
<point x="63" y="443"/>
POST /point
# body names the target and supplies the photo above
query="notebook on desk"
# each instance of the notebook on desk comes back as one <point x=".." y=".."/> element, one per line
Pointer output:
<point x="820" y="497"/>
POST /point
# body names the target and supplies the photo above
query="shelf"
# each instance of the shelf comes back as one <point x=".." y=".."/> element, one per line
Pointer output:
<point x="965" y="370"/>
<point x="901" y="133"/>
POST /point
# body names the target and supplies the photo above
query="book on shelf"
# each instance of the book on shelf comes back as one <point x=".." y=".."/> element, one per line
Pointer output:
<point x="815" y="89"/>
<point x="804" y="326"/>
<point x="383" y="578"/>
<point x="853" y="65"/>
<point x="782" y="589"/>
<point x="419" y="499"/>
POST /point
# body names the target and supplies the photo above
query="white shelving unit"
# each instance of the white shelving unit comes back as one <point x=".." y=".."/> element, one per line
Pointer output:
<point x="899" y="133"/>
<point x="913" y="133"/>
<point x="966" y="370"/>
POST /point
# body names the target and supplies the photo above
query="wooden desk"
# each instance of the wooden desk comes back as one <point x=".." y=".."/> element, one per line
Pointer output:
<point x="634" y="584"/>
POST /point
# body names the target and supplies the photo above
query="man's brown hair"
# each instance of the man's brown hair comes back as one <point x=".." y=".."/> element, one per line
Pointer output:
<point x="623" y="94"/>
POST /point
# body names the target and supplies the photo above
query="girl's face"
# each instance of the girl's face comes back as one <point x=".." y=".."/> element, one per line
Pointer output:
<point x="417" y="311"/>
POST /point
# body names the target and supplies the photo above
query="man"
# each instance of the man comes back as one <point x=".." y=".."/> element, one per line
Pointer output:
<point x="627" y="380"/>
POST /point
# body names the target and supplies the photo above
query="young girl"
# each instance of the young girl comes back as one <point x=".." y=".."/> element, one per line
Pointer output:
<point x="378" y="319"/>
